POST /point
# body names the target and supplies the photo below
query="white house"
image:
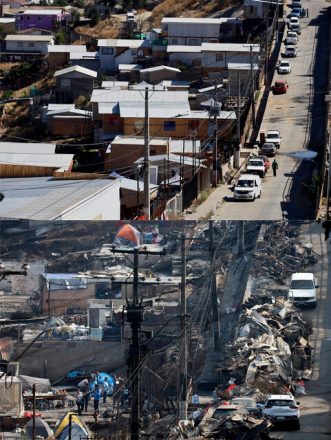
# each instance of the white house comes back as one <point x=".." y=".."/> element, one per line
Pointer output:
<point x="188" y="55"/>
<point x="114" y="52"/>
<point x="193" y="31"/>
<point x="217" y="56"/>
<point x="28" y="43"/>
<point x="256" y="8"/>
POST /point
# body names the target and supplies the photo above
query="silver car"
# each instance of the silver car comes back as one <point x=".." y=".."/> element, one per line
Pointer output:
<point x="268" y="149"/>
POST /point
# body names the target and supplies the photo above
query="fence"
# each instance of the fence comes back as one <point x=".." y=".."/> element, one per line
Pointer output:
<point x="174" y="206"/>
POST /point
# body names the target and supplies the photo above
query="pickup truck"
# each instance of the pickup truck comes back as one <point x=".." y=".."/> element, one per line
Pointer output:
<point x="274" y="137"/>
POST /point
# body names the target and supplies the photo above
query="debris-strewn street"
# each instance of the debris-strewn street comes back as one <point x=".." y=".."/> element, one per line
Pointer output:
<point x="165" y="331"/>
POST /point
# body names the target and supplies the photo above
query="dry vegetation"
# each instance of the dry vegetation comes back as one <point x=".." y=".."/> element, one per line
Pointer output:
<point x="188" y="8"/>
<point x="109" y="28"/>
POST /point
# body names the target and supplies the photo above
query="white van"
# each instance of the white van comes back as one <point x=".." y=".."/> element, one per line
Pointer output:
<point x="248" y="187"/>
<point x="302" y="291"/>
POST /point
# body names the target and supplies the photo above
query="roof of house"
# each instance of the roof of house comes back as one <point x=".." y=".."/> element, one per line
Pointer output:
<point x="27" y="147"/>
<point x="43" y="12"/>
<point x="83" y="55"/>
<point x="79" y="69"/>
<point x="47" y="160"/>
<point x="111" y="84"/>
<point x="242" y="66"/>
<point x="66" y="48"/>
<point x="7" y="20"/>
<point x="129" y="67"/>
<point x="160" y="68"/>
<point x="111" y="42"/>
<point x="199" y="20"/>
<point x="181" y="48"/>
<point x="229" y="47"/>
<point x="173" y="158"/>
<point x="44" y="198"/>
<point x="132" y="184"/>
<point x="134" y="95"/>
<point x="43" y="38"/>
<point x="176" y="145"/>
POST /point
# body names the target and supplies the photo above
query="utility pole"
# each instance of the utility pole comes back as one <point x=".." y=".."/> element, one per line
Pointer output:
<point x="327" y="159"/>
<point x="266" y="64"/>
<point x="182" y="407"/>
<point x="252" y="87"/>
<point x="147" y="209"/>
<point x="237" y="149"/>
<point x="214" y="299"/>
<point x="240" y="232"/>
<point x="33" y="411"/>
<point x="135" y="317"/>
<point x="215" y="173"/>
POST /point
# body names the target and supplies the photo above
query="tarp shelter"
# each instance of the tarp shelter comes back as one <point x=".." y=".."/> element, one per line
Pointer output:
<point x="42" y="429"/>
<point x="42" y="385"/>
<point x="11" y="398"/>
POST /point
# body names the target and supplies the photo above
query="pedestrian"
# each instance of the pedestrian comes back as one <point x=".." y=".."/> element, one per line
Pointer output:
<point x="79" y="401"/>
<point x="274" y="167"/>
<point x="155" y="233"/>
<point x="96" y="398"/>
<point x="84" y="385"/>
<point x="86" y="399"/>
<point x="307" y="12"/>
<point x="105" y="389"/>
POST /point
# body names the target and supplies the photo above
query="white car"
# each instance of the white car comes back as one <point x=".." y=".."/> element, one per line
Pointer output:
<point x="290" y="51"/>
<point x="282" y="408"/>
<point x="291" y="38"/>
<point x="302" y="291"/>
<point x="284" y="67"/>
<point x="248" y="187"/>
<point x="274" y="137"/>
<point x="293" y="20"/>
<point x="256" y="166"/>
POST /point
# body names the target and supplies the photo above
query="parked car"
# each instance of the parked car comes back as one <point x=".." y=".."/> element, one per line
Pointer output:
<point x="296" y="4"/>
<point x="224" y="411"/>
<point x="248" y="187"/>
<point x="256" y="166"/>
<point x="292" y="21"/>
<point x="274" y="137"/>
<point x="290" y="51"/>
<point x="280" y="87"/>
<point x="284" y="67"/>
<point x="295" y="27"/>
<point x="246" y="405"/>
<point x="293" y="34"/>
<point x="268" y="149"/>
<point x="132" y="11"/>
<point x="280" y="408"/>
<point x="130" y="18"/>
<point x="296" y="12"/>
<point x="290" y="41"/>
<point x="266" y="161"/>
<point x="302" y="291"/>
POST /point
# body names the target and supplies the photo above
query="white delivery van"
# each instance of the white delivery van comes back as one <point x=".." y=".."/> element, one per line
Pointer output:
<point x="302" y="291"/>
<point x="248" y="187"/>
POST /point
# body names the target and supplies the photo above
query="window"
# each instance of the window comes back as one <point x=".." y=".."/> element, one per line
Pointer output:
<point x="193" y="42"/>
<point x="65" y="83"/>
<point x="134" y="52"/>
<point x="39" y="18"/>
<point x="169" y="125"/>
<point x="107" y="51"/>
<point x="19" y="44"/>
<point x="252" y="9"/>
<point x="31" y="44"/>
<point x="174" y="41"/>
<point x="219" y="57"/>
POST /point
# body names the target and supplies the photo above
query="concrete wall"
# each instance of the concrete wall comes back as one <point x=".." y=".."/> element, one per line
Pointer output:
<point x="61" y="356"/>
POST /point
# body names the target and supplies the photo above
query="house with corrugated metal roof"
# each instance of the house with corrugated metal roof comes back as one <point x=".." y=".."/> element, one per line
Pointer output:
<point x="72" y="82"/>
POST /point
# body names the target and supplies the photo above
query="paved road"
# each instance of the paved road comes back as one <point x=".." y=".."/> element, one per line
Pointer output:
<point x="284" y="196"/>
<point x="315" y="405"/>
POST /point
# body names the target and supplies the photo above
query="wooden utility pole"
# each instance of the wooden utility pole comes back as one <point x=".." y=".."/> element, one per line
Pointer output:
<point x="252" y="87"/>
<point x="182" y="405"/>
<point x="33" y="412"/>
<point x="147" y="209"/>
<point x="214" y="300"/>
<point x="236" y="163"/>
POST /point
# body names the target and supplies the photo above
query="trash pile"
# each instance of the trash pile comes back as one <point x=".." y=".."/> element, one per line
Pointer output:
<point x="270" y="353"/>
<point x="281" y="253"/>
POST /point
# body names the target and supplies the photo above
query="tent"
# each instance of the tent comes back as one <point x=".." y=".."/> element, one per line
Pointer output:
<point x="42" y="429"/>
<point x="127" y="236"/>
<point x="11" y="398"/>
<point x="78" y="428"/>
<point x="42" y="385"/>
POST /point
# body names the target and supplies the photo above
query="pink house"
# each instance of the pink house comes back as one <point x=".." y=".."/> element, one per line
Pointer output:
<point x="44" y="19"/>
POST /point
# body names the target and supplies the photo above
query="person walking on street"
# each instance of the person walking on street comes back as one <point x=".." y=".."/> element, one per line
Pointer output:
<point x="274" y="167"/>
<point x="79" y="401"/>
<point x="85" y="401"/>
<point x="96" y="398"/>
<point x="105" y="389"/>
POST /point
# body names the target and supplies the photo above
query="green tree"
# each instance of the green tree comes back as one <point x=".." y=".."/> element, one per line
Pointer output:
<point x="60" y="37"/>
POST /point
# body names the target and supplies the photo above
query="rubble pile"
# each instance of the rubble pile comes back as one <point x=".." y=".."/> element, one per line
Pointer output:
<point x="270" y="352"/>
<point x="281" y="253"/>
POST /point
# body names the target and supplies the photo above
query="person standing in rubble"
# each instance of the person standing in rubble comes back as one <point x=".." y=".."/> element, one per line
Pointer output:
<point x="96" y="398"/>
<point x="155" y="233"/>
<point x="79" y="401"/>
<point x="105" y="389"/>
